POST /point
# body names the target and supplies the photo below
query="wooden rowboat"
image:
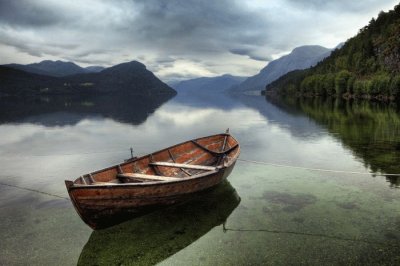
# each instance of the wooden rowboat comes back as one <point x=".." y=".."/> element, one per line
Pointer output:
<point x="172" y="175"/>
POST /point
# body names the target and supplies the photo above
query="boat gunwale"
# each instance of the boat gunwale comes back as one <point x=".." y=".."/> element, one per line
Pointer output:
<point x="141" y="184"/>
<point x="152" y="183"/>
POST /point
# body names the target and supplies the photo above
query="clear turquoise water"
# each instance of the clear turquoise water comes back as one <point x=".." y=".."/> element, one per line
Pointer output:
<point x="284" y="215"/>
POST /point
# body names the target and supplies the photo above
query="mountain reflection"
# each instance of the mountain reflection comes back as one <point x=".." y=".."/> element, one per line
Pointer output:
<point x="150" y="239"/>
<point x="295" y="122"/>
<point x="371" y="130"/>
<point x="69" y="110"/>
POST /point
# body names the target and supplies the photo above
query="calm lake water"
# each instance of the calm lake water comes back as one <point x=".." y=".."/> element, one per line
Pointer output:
<point x="278" y="213"/>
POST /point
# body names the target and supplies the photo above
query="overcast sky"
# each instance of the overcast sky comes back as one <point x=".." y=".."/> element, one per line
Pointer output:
<point x="177" y="38"/>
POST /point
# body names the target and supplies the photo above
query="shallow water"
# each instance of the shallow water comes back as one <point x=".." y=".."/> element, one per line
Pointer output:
<point x="285" y="215"/>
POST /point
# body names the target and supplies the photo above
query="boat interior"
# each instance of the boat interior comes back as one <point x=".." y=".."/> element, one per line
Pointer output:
<point x="188" y="159"/>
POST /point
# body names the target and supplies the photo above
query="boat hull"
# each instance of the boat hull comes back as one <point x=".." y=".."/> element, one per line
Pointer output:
<point x="104" y="206"/>
<point x="140" y="185"/>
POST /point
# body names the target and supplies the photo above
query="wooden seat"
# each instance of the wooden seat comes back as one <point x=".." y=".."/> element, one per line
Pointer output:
<point x="150" y="177"/>
<point x="103" y="183"/>
<point x="187" y="166"/>
<point x="111" y="182"/>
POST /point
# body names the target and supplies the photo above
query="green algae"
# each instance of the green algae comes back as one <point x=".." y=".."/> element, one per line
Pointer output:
<point x="320" y="231"/>
<point x="347" y="205"/>
<point x="35" y="228"/>
<point x="153" y="238"/>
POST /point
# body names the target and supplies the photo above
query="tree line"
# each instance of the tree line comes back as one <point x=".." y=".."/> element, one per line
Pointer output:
<point x="368" y="65"/>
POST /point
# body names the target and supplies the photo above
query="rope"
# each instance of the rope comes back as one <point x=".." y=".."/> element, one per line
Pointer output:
<point x="311" y="235"/>
<point x="316" y="169"/>
<point x="242" y="160"/>
<point x="65" y="154"/>
<point x="34" y="190"/>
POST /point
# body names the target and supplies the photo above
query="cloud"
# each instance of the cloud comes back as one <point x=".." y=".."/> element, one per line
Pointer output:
<point x="251" y="54"/>
<point x="338" y="5"/>
<point x="177" y="37"/>
<point x="180" y="27"/>
<point x="25" y="13"/>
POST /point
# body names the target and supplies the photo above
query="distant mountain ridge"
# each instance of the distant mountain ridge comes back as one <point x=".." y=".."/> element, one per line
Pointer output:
<point x="300" y="58"/>
<point x="94" y="69"/>
<point x="55" y="68"/>
<point x="126" y="78"/>
<point x="208" y="84"/>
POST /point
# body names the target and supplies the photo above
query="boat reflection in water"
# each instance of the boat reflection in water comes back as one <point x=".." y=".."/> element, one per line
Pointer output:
<point x="152" y="238"/>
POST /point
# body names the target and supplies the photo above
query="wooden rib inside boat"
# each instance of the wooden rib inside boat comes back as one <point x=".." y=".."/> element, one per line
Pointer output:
<point x="165" y="177"/>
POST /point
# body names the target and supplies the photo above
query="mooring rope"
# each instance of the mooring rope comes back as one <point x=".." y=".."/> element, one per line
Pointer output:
<point x="225" y="229"/>
<point x="34" y="190"/>
<point x="241" y="160"/>
<point x="66" y="154"/>
<point x="316" y="169"/>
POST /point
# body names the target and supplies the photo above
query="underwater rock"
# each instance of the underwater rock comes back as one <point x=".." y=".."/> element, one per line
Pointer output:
<point x="290" y="202"/>
<point x="347" y="205"/>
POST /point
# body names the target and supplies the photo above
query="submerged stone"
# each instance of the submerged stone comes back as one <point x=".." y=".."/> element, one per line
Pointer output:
<point x="298" y="220"/>
<point x="347" y="205"/>
<point x="290" y="202"/>
<point x="390" y="236"/>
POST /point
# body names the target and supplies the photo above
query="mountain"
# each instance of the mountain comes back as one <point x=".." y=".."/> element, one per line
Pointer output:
<point x="94" y="69"/>
<point x="27" y="68"/>
<point x="368" y="65"/>
<point x="132" y="77"/>
<point x="50" y="68"/>
<point x="17" y="82"/>
<point x="58" y="68"/>
<point x="55" y="68"/>
<point x="126" y="78"/>
<point x="208" y="84"/>
<point x="300" y="58"/>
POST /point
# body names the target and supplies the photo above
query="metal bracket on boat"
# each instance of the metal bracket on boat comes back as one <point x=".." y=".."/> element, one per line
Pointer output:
<point x="132" y="157"/>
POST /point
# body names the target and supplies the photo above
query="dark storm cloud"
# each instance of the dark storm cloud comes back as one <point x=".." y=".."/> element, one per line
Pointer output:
<point x="250" y="53"/>
<point x="26" y="13"/>
<point x="186" y="28"/>
<point x="174" y="36"/>
<point x="197" y="26"/>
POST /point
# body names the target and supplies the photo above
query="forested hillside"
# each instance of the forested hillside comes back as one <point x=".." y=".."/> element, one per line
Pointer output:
<point x="368" y="65"/>
<point x="126" y="78"/>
